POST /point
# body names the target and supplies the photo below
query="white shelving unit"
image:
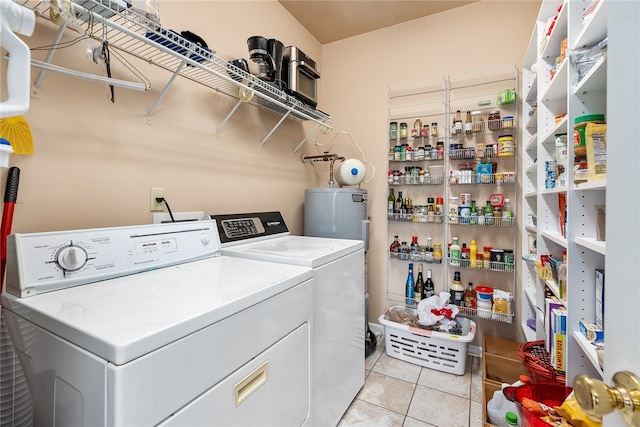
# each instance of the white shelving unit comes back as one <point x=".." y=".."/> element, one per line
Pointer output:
<point x="436" y="101"/>
<point x="556" y="100"/>
<point x="132" y="33"/>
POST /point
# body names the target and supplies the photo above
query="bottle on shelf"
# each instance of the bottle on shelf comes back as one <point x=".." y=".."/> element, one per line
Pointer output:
<point x="391" y="203"/>
<point x="410" y="286"/>
<point x="434" y="130"/>
<point x="473" y="254"/>
<point x="455" y="252"/>
<point x="457" y="290"/>
<point x="394" y="249"/>
<point x="507" y="212"/>
<point x="470" y="296"/>
<point x="488" y="213"/>
<point x="428" y="290"/>
<point x="468" y="127"/>
<point x="404" y="251"/>
<point x="414" y="253"/>
<point x="465" y="255"/>
<point x="396" y="209"/>
<point x="473" y="213"/>
<point x="457" y="123"/>
<point x="419" y="285"/>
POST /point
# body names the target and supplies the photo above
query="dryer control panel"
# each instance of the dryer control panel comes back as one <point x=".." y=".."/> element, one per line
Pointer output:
<point x="45" y="262"/>
<point x="239" y="228"/>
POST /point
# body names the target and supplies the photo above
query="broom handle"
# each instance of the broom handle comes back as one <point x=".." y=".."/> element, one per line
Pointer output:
<point x="10" y="197"/>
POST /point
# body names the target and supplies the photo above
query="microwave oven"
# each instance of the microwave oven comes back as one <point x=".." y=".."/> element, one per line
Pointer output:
<point x="300" y="76"/>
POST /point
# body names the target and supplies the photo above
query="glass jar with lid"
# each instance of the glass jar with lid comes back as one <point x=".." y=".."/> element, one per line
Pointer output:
<point x="476" y="121"/>
<point x="494" y="121"/>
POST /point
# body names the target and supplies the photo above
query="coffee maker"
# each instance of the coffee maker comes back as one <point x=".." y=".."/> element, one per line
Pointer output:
<point x="265" y="59"/>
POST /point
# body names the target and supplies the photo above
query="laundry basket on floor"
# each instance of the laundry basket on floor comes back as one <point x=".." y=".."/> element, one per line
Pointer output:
<point x="431" y="349"/>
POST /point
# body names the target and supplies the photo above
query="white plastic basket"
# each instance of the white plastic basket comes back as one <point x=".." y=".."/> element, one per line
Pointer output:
<point x="430" y="349"/>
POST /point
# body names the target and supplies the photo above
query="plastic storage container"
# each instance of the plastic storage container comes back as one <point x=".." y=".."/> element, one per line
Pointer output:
<point x="430" y="349"/>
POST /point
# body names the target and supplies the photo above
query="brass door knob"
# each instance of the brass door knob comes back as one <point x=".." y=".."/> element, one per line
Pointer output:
<point x="597" y="399"/>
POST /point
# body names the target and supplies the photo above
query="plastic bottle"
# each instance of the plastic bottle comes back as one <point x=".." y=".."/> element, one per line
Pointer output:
<point x="498" y="406"/>
<point x="457" y="290"/>
<point x="473" y="254"/>
<point x="511" y="419"/>
<point x="455" y="253"/>
<point x="470" y="296"/>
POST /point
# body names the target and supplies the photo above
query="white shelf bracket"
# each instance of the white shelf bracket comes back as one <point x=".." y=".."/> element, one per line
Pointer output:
<point x="226" y="119"/>
<point x="315" y="129"/>
<point x="165" y="90"/>
<point x="49" y="57"/>
<point x="276" y="126"/>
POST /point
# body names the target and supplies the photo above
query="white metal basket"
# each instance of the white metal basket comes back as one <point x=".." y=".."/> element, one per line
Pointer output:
<point x="430" y="349"/>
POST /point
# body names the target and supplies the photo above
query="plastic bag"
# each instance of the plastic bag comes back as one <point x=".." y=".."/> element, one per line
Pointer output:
<point x="584" y="58"/>
<point x="436" y="308"/>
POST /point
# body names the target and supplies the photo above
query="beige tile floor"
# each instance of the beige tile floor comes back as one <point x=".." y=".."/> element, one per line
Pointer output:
<point x="398" y="393"/>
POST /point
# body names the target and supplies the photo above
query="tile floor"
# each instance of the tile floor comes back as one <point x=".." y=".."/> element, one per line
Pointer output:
<point x="398" y="393"/>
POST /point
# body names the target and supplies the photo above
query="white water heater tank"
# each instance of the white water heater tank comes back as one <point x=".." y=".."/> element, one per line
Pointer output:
<point x="349" y="172"/>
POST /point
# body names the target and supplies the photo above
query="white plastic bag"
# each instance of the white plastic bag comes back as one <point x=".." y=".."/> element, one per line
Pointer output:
<point x="426" y="317"/>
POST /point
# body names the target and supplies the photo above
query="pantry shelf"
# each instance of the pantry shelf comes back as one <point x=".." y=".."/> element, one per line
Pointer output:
<point x="589" y="351"/>
<point x="592" y="244"/>
<point x="134" y="34"/>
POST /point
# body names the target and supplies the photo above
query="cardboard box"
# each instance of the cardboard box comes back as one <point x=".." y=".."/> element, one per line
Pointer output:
<point x="558" y="347"/>
<point x="599" y="298"/>
<point x="591" y="332"/>
<point x="550" y="304"/>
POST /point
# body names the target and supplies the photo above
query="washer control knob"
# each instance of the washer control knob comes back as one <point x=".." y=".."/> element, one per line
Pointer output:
<point x="205" y="239"/>
<point x="72" y="258"/>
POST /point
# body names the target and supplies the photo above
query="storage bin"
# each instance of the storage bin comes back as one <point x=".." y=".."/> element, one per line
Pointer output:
<point x="430" y="349"/>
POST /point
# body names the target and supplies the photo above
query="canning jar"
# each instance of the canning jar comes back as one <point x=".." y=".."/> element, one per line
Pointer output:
<point x="393" y="131"/>
<point x="404" y="131"/>
<point x="476" y="121"/>
<point x="494" y="121"/>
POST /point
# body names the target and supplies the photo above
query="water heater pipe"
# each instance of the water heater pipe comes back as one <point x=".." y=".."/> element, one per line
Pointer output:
<point x="326" y="157"/>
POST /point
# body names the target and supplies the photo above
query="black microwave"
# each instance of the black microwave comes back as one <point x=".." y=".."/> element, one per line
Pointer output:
<point x="300" y="76"/>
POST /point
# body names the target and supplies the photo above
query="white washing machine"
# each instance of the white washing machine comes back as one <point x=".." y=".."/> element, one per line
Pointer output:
<point x="151" y="325"/>
<point x="337" y="350"/>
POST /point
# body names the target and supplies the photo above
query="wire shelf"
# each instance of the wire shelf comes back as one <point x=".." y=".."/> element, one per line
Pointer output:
<point x="135" y="34"/>
<point x="481" y="222"/>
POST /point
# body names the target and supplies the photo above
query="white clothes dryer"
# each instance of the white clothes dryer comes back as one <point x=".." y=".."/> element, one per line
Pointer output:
<point x="337" y="350"/>
<point x="151" y="325"/>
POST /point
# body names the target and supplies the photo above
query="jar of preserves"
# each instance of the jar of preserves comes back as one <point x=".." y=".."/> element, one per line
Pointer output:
<point x="494" y="121"/>
<point x="425" y="131"/>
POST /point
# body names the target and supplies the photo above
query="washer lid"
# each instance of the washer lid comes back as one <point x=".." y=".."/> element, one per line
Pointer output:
<point x="299" y="250"/>
<point x="124" y="318"/>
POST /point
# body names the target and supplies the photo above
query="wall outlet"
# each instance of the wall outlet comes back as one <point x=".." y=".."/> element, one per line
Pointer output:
<point x="154" y="205"/>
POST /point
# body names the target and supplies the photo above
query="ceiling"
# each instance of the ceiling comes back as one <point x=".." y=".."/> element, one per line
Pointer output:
<point x="332" y="20"/>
